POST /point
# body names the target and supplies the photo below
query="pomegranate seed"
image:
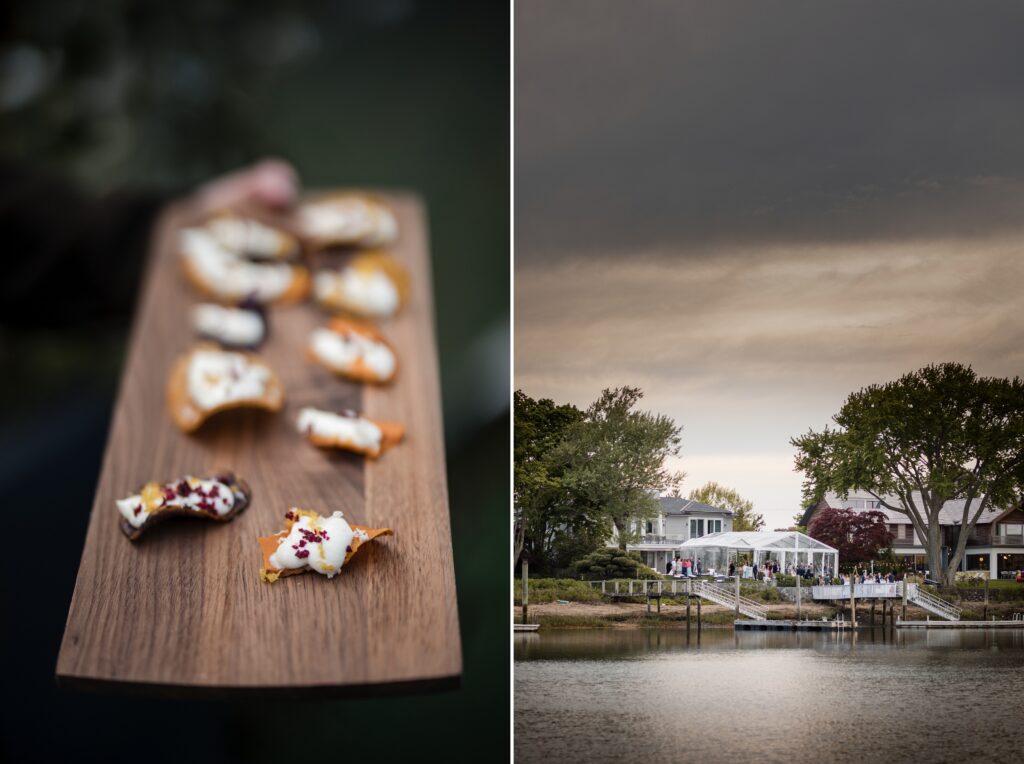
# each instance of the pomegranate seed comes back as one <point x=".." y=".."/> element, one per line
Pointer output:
<point x="214" y="491"/>
<point x="137" y="510"/>
<point x="348" y="548"/>
<point x="302" y="554"/>
<point x="184" y="489"/>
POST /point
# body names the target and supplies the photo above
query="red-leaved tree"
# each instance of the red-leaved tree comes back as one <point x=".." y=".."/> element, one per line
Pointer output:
<point x="859" y="536"/>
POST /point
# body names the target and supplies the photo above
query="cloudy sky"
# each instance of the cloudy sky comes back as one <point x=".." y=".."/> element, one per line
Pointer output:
<point x="752" y="209"/>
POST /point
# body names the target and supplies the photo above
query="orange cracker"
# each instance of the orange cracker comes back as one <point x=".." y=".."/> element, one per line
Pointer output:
<point x="269" y="544"/>
<point x="358" y="371"/>
<point x="189" y="415"/>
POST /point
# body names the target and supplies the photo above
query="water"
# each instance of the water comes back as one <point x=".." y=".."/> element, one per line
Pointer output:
<point x="609" y="695"/>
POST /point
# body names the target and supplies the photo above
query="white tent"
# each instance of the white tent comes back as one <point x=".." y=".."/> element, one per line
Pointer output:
<point x="788" y="548"/>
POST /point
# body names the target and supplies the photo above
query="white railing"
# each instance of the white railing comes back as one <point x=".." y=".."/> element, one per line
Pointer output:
<point x="928" y="601"/>
<point x="842" y="591"/>
<point x="722" y="595"/>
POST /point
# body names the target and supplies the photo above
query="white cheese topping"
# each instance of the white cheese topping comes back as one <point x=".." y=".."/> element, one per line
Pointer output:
<point x="216" y="377"/>
<point x="367" y="292"/>
<point x="351" y="219"/>
<point x="227" y="274"/>
<point x="230" y="326"/>
<point x="202" y="496"/>
<point x="341" y="351"/>
<point x="320" y="542"/>
<point x="355" y="430"/>
<point x="248" y="237"/>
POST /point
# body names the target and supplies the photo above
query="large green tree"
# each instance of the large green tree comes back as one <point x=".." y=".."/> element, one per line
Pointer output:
<point x="613" y="461"/>
<point x="540" y="508"/>
<point x="933" y="435"/>
<point x="716" y="495"/>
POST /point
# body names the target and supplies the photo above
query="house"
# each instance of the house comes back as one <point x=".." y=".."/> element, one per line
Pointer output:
<point x="679" y="520"/>
<point x="996" y="545"/>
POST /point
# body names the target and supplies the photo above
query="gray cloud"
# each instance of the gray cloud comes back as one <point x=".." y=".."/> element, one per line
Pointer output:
<point x="671" y="124"/>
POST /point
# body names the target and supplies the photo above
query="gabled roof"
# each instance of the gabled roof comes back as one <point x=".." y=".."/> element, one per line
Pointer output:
<point x="671" y="505"/>
<point x="951" y="513"/>
<point x="779" y="540"/>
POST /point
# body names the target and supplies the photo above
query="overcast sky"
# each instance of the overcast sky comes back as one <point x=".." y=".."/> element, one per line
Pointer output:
<point x="752" y="209"/>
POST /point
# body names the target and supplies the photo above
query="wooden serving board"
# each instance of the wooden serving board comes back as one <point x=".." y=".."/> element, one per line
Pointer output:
<point x="183" y="611"/>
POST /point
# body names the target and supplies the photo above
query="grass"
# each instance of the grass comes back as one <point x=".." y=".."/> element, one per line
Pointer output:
<point x="554" y="589"/>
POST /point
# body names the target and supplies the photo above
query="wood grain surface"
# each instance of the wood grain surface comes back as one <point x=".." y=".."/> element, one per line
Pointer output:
<point x="183" y="611"/>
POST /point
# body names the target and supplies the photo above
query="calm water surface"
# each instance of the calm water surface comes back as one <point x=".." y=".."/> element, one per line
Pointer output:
<point x="600" y="695"/>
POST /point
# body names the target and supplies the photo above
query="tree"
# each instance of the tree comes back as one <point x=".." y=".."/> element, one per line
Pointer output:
<point x="613" y="461"/>
<point x="857" y="536"/>
<point x="715" y="495"/>
<point x="539" y="427"/>
<point x="933" y="435"/>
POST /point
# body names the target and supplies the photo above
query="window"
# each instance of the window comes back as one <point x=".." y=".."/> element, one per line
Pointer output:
<point x="714" y="526"/>
<point x="908" y="532"/>
<point x="1012" y="529"/>
<point x="650" y="527"/>
<point x="696" y="528"/>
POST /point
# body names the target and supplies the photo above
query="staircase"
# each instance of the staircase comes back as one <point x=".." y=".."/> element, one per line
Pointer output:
<point x="930" y="602"/>
<point x="722" y="595"/>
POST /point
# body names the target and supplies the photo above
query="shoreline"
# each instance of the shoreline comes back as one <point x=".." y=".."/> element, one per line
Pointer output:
<point x="604" y="615"/>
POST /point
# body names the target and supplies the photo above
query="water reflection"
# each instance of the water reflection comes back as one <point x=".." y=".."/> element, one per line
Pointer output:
<point x="635" y="695"/>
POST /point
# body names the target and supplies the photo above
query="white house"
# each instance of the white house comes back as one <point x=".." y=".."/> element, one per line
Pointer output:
<point x="679" y="520"/>
<point x="996" y="545"/>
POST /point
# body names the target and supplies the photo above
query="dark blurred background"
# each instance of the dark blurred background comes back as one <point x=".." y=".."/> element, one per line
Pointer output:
<point x="153" y="97"/>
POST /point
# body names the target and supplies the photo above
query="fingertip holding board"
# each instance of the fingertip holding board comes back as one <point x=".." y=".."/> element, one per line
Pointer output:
<point x="183" y="611"/>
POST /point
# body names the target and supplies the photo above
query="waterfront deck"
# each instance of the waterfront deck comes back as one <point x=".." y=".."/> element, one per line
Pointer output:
<point x="1017" y="624"/>
<point x="783" y="625"/>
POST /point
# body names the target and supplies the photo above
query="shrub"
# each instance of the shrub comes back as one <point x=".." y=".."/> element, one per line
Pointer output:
<point x="612" y="563"/>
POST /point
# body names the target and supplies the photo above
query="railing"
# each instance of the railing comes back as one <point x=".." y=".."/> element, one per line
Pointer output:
<point x="842" y="591"/>
<point x="653" y="538"/>
<point x="940" y="607"/>
<point x="722" y="595"/>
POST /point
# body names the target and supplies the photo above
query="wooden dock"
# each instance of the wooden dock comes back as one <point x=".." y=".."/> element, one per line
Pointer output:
<point x="782" y="625"/>
<point x="1018" y="624"/>
<point x="525" y="627"/>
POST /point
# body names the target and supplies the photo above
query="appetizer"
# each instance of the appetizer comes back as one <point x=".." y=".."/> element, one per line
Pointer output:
<point x="225" y="275"/>
<point x="218" y="497"/>
<point x="251" y="238"/>
<point x="372" y="285"/>
<point x="346" y="220"/>
<point x="244" y="327"/>
<point x="353" y="350"/>
<point x="207" y="380"/>
<point x="349" y="431"/>
<point x="310" y="542"/>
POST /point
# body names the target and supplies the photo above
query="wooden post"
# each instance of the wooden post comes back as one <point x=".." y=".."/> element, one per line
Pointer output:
<point x="737" y="594"/>
<point x="688" y="609"/>
<point x="798" y="598"/>
<point x="904" y="616"/>
<point x="698" y="619"/>
<point x="659" y="603"/>
<point x="526" y="588"/>
<point x="853" y="600"/>
<point x="616" y="586"/>
<point x="603" y="584"/>
<point x="986" y="598"/>
<point x="873" y="599"/>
